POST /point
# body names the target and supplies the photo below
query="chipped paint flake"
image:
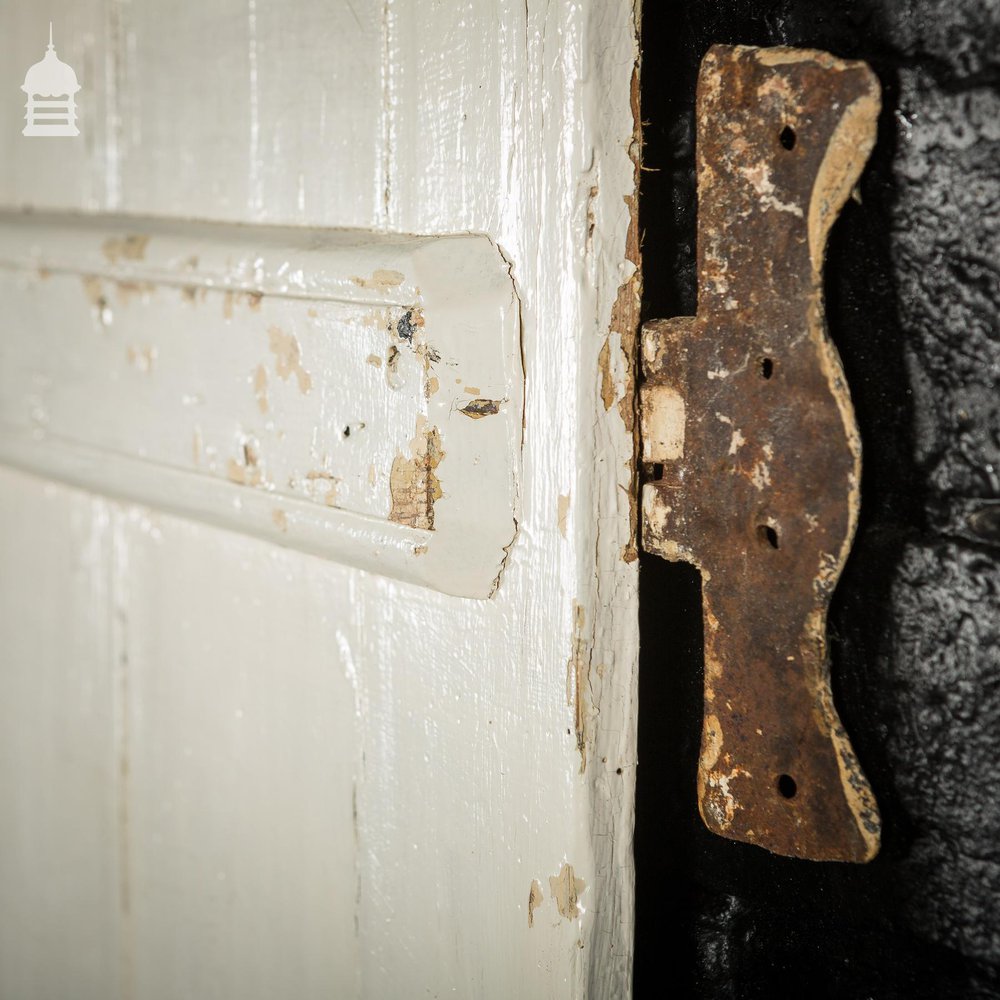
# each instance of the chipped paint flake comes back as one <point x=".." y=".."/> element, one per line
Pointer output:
<point x="664" y="413"/>
<point x="562" y="513"/>
<point x="761" y="475"/>
<point x="535" y="899"/>
<point x="93" y="289"/>
<point x="567" y="889"/>
<point x="608" y="391"/>
<point x="413" y="482"/>
<point x="759" y="178"/>
<point x="242" y="474"/>
<point x="288" y="358"/>
<point x="382" y="279"/>
<point x="578" y="681"/>
<point x="128" y="290"/>
<point x="393" y="378"/>
<point x="477" y="408"/>
<point x="131" y="247"/>
<point x="260" y="388"/>
<point x="141" y="358"/>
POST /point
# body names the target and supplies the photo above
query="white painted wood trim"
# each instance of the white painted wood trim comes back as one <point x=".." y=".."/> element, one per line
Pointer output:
<point x="157" y="287"/>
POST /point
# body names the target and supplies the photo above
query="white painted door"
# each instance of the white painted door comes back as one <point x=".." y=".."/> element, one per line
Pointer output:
<point x="318" y="601"/>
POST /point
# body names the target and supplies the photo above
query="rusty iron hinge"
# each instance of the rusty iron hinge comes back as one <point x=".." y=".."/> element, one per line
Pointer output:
<point x="752" y="451"/>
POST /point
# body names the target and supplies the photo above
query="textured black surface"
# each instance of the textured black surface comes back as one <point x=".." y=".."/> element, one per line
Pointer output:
<point x="913" y="292"/>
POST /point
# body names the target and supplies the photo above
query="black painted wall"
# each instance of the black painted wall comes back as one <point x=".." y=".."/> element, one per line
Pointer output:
<point x="913" y="289"/>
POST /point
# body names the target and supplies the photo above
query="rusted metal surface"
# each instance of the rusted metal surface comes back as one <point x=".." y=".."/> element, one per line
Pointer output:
<point x="750" y="439"/>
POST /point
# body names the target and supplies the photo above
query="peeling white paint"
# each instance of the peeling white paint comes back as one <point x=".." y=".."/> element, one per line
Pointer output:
<point x="281" y="754"/>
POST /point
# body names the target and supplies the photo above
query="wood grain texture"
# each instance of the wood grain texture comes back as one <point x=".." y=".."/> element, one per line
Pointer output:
<point x="465" y="751"/>
<point x="59" y="860"/>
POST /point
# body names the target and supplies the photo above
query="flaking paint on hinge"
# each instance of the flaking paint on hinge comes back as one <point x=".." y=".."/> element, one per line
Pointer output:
<point x="752" y="446"/>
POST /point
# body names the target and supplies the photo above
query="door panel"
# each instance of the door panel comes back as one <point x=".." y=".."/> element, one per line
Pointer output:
<point x="59" y="863"/>
<point x="239" y="761"/>
<point x="316" y="779"/>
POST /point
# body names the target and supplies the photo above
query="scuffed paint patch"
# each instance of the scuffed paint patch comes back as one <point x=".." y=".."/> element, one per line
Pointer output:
<point x="128" y="290"/>
<point x="566" y="889"/>
<point x="196" y="447"/>
<point x="232" y="299"/>
<point x="93" y="289"/>
<point x="413" y="482"/>
<point x="131" y="247"/>
<point x="535" y="899"/>
<point x="245" y="471"/>
<point x="280" y="519"/>
<point x="141" y="358"/>
<point x="260" y="388"/>
<point x="381" y="279"/>
<point x="323" y="483"/>
<point x="288" y="358"/>
<point x="562" y="513"/>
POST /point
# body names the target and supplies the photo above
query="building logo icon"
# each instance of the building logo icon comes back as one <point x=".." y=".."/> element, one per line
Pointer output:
<point x="50" y="78"/>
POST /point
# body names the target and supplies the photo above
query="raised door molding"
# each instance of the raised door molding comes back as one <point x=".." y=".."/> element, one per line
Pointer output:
<point x="354" y="395"/>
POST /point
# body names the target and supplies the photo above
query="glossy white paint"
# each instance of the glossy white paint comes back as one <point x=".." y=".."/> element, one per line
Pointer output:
<point x="243" y="770"/>
<point x="275" y="381"/>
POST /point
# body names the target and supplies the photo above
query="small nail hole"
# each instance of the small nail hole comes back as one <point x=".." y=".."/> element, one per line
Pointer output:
<point x="767" y="535"/>
<point x="766" y="367"/>
<point x="787" y="137"/>
<point x="787" y="786"/>
<point x="347" y="431"/>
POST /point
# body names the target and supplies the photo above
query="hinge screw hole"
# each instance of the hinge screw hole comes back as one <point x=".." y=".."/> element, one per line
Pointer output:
<point x="787" y="786"/>
<point x="766" y="367"/>
<point x="767" y="535"/>
<point x="787" y="137"/>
